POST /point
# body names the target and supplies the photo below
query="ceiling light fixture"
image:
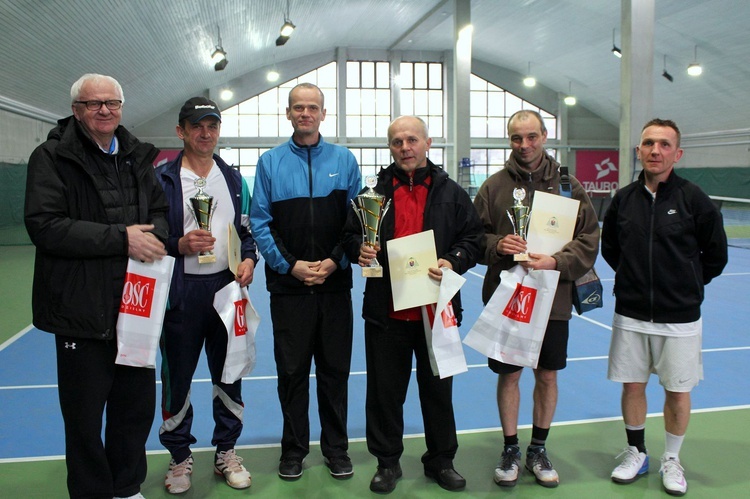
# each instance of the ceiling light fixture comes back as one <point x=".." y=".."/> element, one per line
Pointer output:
<point x="570" y="99"/>
<point x="529" y="81"/>
<point x="286" y="29"/>
<point x="695" y="69"/>
<point x="615" y="49"/>
<point x="219" y="56"/>
<point x="272" y="76"/>
<point x="226" y="94"/>
<point x="665" y="73"/>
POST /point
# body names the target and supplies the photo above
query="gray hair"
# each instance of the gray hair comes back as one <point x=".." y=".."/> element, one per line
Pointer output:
<point x="75" y="90"/>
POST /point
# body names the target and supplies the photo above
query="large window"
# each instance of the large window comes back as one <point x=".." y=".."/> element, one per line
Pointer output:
<point x="368" y="99"/>
<point x="265" y="115"/>
<point x="490" y="109"/>
<point x="422" y="94"/>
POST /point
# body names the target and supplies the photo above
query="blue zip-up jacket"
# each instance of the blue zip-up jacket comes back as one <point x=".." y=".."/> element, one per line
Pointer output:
<point x="663" y="250"/>
<point x="301" y="199"/>
<point x="169" y="177"/>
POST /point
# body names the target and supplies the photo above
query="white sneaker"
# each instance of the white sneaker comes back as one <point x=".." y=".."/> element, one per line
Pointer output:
<point x="229" y="464"/>
<point x="137" y="496"/>
<point x="539" y="464"/>
<point x="509" y="466"/>
<point x="633" y="465"/>
<point x="673" y="476"/>
<point x="177" y="480"/>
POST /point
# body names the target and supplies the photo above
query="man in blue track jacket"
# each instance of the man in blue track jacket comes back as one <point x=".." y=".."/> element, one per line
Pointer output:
<point x="301" y="199"/>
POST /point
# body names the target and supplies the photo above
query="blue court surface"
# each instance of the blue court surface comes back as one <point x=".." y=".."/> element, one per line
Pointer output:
<point x="31" y="425"/>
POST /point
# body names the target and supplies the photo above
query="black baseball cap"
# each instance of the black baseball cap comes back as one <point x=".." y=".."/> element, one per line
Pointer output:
<point x="197" y="108"/>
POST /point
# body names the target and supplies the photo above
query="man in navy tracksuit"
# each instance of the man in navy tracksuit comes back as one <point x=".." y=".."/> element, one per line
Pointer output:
<point x="301" y="199"/>
<point x="191" y="319"/>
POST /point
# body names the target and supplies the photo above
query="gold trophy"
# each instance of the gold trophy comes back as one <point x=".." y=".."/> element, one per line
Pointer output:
<point x="371" y="208"/>
<point x="519" y="219"/>
<point x="202" y="205"/>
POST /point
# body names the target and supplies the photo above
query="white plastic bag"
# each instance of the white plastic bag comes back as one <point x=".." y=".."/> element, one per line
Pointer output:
<point x="441" y="329"/>
<point x="232" y="303"/>
<point x="511" y="327"/>
<point x="144" y="301"/>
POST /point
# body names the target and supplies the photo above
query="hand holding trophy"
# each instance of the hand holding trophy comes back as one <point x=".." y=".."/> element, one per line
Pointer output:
<point x="371" y="208"/>
<point x="519" y="215"/>
<point x="202" y="205"/>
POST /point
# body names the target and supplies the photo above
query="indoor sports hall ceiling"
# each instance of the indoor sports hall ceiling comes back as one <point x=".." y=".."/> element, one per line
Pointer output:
<point x="160" y="50"/>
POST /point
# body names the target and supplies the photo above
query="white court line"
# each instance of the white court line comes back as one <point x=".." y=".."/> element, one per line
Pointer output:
<point x="15" y="337"/>
<point x="364" y="373"/>
<point x="9" y="460"/>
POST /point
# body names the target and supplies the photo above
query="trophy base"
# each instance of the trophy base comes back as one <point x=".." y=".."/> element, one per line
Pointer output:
<point x="210" y="258"/>
<point x="521" y="257"/>
<point x="372" y="271"/>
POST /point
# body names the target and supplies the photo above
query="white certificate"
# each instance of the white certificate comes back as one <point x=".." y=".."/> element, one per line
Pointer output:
<point x="409" y="259"/>
<point x="553" y="221"/>
<point x="234" y="246"/>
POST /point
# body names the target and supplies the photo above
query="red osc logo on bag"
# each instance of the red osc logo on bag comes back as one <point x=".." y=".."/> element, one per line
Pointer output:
<point x="240" y="324"/>
<point x="137" y="295"/>
<point x="521" y="304"/>
<point x="449" y="318"/>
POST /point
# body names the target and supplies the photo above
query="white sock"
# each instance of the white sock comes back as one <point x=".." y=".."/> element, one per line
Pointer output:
<point x="672" y="445"/>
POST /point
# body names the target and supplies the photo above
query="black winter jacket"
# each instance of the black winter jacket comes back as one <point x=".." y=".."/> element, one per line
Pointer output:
<point x="80" y="255"/>
<point x="663" y="250"/>
<point x="458" y="236"/>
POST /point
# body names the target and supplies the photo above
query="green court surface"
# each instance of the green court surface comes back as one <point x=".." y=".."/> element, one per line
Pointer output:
<point x="714" y="454"/>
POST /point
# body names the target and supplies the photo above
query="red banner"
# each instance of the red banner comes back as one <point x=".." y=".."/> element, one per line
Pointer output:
<point x="598" y="170"/>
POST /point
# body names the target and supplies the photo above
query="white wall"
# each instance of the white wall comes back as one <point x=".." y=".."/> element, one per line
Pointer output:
<point x="19" y="136"/>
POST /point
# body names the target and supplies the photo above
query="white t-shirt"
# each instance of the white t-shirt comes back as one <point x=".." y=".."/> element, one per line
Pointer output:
<point x="223" y="214"/>
<point x="657" y="328"/>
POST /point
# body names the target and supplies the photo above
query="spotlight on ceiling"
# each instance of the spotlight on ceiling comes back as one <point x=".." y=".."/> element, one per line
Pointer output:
<point x="219" y="66"/>
<point x="665" y="73"/>
<point x="615" y="49"/>
<point x="286" y="29"/>
<point x="272" y="76"/>
<point x="219" y="56"/>
<point x="695" y="69"/>
<point x="529" y="81"/>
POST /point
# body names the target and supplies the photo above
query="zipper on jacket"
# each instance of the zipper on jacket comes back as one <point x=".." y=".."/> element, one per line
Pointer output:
<point x="651" y="259"/>
<point x="312" y="204"/>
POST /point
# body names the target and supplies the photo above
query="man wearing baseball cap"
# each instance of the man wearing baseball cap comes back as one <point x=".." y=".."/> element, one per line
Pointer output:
<point x="191" y="320"/>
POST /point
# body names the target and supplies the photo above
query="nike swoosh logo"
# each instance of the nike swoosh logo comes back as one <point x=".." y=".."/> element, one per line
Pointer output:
<point x="332" y="174"/>
<point x="671" y="212"/>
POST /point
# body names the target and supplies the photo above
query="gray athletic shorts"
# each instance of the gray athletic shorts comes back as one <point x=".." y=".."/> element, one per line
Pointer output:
<point x="677" y="360"/>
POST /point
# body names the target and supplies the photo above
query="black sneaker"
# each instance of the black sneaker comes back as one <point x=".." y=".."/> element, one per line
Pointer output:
<point x="340" y="467"/>
<point x="290" y="468"/>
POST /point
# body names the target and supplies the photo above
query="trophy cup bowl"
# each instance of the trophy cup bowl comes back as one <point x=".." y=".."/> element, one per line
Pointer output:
<point x="371" y="208"/>
<point x="203" y="206"/>
<point x="519" y="215"/>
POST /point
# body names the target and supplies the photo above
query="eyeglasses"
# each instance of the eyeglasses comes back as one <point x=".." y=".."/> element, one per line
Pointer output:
<point x="95" y="105"/>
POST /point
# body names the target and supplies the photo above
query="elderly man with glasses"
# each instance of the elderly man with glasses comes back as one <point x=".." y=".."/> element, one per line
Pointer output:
<point x="92" y="201"/>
